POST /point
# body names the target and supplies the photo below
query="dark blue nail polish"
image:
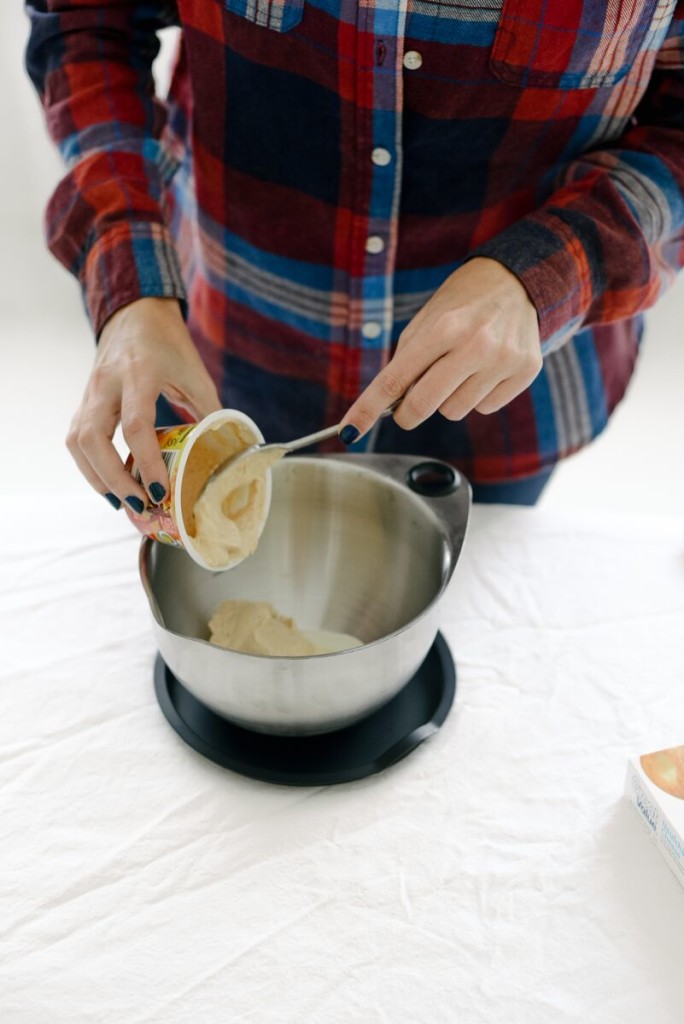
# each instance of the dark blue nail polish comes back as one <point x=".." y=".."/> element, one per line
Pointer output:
<point x="136" y="504"/>
<point x="113" y="500"/>
<point x="349" y="434"/>
<point x="157" y="491"/>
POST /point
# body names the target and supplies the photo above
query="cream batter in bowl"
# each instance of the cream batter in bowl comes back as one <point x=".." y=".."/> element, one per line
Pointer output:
<point x="349" y="547"/>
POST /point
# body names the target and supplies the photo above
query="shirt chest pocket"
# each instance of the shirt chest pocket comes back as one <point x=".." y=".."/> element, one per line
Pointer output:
<point x="277" y="15"/>
<point x="573" y="44"/>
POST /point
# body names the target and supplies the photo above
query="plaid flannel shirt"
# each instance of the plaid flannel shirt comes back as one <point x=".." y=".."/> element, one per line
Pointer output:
<point x="321" y="166"/>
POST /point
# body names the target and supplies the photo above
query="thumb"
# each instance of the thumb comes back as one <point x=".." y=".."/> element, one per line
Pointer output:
<point x="198" y="398"/>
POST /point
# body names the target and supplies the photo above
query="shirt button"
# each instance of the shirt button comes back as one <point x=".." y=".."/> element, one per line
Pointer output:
<point x="412" y="60"/>
<point x="371" y="329"/>
<point x="381" y="157"/>
<point x="374" y="244"/>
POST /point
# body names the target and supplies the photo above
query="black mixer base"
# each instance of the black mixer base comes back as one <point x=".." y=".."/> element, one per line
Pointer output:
<point x="364" y="748"/>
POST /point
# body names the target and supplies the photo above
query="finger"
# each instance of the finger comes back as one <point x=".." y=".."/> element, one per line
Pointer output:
<point x="412" y="328"/>
<point x="429" y="392"/>
<point x="501" y="395"/>
<point x="205" y="397"/>
<point x="470" y="393"/>
<point x="390" y="385"/>
<point x="420" y="319"/>
<point x="138" y="412"/>
<point x="198" y="401"/>
<point x="95" y="434"/>
<point x="81" y="460"/>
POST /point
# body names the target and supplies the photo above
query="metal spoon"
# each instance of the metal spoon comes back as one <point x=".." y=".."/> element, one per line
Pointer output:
<point x="285" y="446"/>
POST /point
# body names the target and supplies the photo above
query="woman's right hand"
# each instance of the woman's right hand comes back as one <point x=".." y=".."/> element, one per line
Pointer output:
<point x="144" y="351"/>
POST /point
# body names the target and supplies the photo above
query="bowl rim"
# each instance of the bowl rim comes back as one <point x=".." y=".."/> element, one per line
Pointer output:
<point x="447" y="573"/>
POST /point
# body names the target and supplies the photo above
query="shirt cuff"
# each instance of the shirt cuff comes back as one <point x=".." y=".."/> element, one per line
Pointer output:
<point x="552" y="264"/>
<point x="131" y="261"/>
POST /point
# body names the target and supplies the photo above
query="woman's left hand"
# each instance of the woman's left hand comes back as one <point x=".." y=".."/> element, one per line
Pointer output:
<point x="474" y="345"/>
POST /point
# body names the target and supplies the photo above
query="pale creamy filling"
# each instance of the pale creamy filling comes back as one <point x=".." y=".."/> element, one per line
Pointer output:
<point x="255" y="627"/>
<point x="229" y="513"/>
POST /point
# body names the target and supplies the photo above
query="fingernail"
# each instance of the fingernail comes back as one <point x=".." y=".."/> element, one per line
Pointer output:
<point x="157" y="491"/>
<point x="113" y="500"/>
<point x="136" y="504"/>
<point x="349" y="434"/>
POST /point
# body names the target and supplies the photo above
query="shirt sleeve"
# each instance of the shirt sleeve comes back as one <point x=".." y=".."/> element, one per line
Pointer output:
<point x="92" y="66"/>
<point x="610" y="238"/>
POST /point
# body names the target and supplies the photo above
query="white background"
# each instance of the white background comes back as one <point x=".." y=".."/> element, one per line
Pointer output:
<point x="47" y="348"/>
<point x="494" y="875"/>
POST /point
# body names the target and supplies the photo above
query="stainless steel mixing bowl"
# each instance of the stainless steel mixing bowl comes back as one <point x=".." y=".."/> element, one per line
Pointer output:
<point x="348" y="547"/>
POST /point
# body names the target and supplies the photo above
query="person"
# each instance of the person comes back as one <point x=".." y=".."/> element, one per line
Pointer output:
<point x="340" y="204"/>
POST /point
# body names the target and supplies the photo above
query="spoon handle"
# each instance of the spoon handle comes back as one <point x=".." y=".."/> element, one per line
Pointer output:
<point x="289" y="446"/>
<point x="323" y="435"/>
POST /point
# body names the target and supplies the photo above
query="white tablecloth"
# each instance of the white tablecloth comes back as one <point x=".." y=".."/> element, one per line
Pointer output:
<point x="495" y="875"/>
